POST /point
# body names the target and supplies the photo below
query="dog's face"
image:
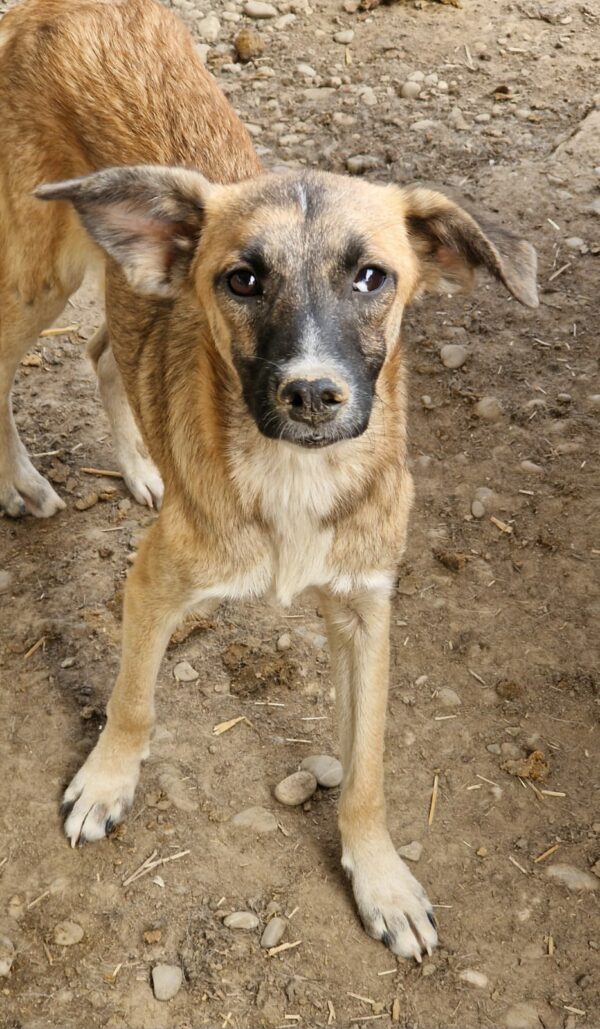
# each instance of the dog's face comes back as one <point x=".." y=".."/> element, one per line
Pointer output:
<point x="303" y="277"/>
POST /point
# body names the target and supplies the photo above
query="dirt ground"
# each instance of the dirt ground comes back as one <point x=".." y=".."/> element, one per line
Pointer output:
<point x="502" y="609"/>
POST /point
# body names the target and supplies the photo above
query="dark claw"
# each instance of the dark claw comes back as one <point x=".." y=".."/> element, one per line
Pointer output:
<point x="109" y="825"/>
<point x="432" y="920"/>
<point x="387" y="938"/>
<point x="66" y="807"/>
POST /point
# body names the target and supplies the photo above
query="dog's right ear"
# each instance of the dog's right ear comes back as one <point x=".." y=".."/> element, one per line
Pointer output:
<point x="147" y="218"/>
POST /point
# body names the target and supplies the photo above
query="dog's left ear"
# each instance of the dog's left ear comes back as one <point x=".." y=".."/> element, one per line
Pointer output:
<point x="450" y="244"/>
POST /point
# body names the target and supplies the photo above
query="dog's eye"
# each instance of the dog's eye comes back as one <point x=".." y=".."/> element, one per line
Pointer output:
<point x="243" y="283"/>
<point x="369" y="280"/>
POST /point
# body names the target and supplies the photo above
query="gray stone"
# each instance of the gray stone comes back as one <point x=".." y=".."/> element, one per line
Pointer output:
<point x="410" y="90"/>
<point x="448" y="697"/>
<point x="166" y="981"/>
<point x="67" y="933"/>
<point x="284" y="642"/>
<point x="5" y="580"/>
<point x="344" y="37"/>
<point x="411" y="851"/>
<point x="285" y="21"/>
<point x="474" y="978"/>
<point x="522" y="1016"/>
<point x="457" y="120"/>
<point x="493" y="748"/>
<point x="489" y="409"/>
<point x="259" y="9"/>
<point x="326" y="770"/>
<point x="306" y="70"/>
<point x="574" y="243"/>
<point x="208" y="28"/>
<point x="453" y="355"/>
<point x="274" y="932"/>
<point x="477" y="509"/>
<point x="241" y="920"/>
<point x="7" y="956"/>
<point x="184" y="672"/>
<point x="571" y="877"/>
<point x="368" y="97"/>
<point x="531" y="468"/>
<point x="416" y="76"/>
<point x="424" y="125"/>
<point x="257" y="819"/>
<point x="296" y="789"/>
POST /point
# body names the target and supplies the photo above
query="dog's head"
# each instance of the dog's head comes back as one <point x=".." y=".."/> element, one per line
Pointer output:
<point x="303" y="277"/>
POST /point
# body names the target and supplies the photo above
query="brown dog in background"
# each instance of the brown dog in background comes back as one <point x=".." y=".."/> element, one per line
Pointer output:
<point x="253" y="326"/>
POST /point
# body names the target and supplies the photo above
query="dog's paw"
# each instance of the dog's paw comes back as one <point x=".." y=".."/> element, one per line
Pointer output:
<point x="98" y="798"/>
<point x="392" y="904"/>
<point x="24" y="491"/>
<point x="141" y="476"/>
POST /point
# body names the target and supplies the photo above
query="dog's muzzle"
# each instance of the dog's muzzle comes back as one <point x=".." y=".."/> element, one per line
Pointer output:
<point x="312" y="402"/>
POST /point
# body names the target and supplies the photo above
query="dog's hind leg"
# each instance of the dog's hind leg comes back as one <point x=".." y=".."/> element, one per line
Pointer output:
<point x="139" y="471"/>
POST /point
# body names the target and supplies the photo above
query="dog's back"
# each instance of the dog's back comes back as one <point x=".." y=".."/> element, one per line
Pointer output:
<point x="109" y="82"/>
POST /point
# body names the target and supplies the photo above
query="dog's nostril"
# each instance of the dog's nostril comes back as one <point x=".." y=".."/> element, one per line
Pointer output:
<point x="295" y="399"/>
<point x="331" y="398"/>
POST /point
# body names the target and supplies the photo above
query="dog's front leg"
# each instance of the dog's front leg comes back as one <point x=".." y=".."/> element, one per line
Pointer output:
<point x="156" y="597"/>
<point x="393" y="906"/>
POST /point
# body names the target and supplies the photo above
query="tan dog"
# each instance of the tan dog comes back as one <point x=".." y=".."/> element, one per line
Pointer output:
<point x="255" y="322"/>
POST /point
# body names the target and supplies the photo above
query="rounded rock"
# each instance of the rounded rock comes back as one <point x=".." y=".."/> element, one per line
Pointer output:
<point x="7" y="956"/>
<point x="458" y="120"/>
<point x="571" y="877"/>
<point x="521" y="1016"/>
<point x="411" y="851"/>
<point x="489" y="409"/>
<point x="344" y="37"/>
<point x="327" y="770"/>
<point x="453" y="355"/>
<point x="531" y="468"/>
<point x="166" y="981"/>
<point x="241" y="920"/>
<point x="284" y="642"/>
<point x="296" y="789"/>
<point x="257" y="819"/>
<point x="448" y="697"/>
<point x="474" y="978"/>
<point x="574" y="243"/>
<point x="184" y="672"/>
<point x="306" y="71"/>
<point x="259" y="9"/>
<point x="274" y="932"/>
<point x="477" y="509"/>
<point x="410" y="90"/>
<point x="67" y="933"/>
<point x="208" y="28"/>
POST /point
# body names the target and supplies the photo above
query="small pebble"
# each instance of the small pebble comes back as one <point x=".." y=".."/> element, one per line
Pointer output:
<point x="67" y="933"/>
<point x="84" y="503"/>
<point x="306" y="70"/>
<point x="458" y="120"/>
<point x="448" y="697"/>
<point x="259" y="9"/>
<point x="327" y="770"/>
<point x="493" y="748"/>
<point x="571" y="877"/>
<point x="284" y="642"/>
<point x="166" y="981"/>
<point x="7" y="956"/>
<point x="410" y="90"/>
<point x="208" y="28"/>
<point x="574" y="243"/>
<point x="296" y="789"/>
<point x="531" y="468"/>
<point x="184" y="672"/>
<point x="477" y="509"/>
<point x="241" y="920"/>
<point x="274" y="932"/>
<point x="453" y="355"/>
<point x="474" y="978"/>
<point x="411" y="851"/>
<point x="344" y="37"/>
<point x="257" y="819"/>
<point x="416" y="76"/>
<point x="521" y="1016"/>
<point x="489" y="409"/>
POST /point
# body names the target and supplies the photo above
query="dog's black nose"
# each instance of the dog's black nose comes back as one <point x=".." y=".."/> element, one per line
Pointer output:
<point x="313" y="401"/>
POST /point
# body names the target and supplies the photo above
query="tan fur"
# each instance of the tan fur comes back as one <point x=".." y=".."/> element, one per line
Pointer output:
<point x="86" y="84"/>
